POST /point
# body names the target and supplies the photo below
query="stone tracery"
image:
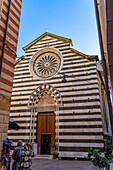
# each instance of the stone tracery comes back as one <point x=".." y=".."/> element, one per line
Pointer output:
<point x="46" y="63"/>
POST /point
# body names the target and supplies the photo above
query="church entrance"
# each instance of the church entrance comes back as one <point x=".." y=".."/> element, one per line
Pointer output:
<point x="45" y="132"/>
<point x="45" y="143"/>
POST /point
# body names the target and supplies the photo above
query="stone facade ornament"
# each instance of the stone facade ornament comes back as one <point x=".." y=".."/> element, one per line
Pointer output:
<point x="46" y="63"/>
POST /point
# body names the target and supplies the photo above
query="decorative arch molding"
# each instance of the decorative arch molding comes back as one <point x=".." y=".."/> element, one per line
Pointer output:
<point x="39" y="92"/>
<point x="36" y="95"/>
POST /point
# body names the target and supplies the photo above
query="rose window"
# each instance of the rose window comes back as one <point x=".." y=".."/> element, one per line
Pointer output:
<point x="46" y="63"/>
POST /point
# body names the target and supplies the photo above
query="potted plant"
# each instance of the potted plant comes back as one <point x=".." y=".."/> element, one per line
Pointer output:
<point x="55" y="154"/>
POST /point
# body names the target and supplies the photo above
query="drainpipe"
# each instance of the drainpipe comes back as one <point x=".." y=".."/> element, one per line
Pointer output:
<point x="4" y="42"/>
<point x="103" y="54"/>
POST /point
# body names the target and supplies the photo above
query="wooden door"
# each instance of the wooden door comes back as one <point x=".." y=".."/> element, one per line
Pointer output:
<point x="45" y="125"/>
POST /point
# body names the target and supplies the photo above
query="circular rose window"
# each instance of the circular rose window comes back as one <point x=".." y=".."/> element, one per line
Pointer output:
<point x="46" y="63"/>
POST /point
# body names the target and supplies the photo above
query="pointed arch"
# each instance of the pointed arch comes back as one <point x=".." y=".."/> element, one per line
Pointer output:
<point x="42" y="90"/>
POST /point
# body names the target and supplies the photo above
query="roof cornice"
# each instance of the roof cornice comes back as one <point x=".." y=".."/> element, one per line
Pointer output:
<point x="90" y="57"/>
<point x="47" y="34"/>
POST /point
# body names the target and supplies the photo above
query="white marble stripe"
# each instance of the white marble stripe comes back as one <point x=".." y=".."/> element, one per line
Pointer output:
<point x="77" y="110"/>
<point x="80" y="111"/>
<point x="77" y="64"/>
<point x="21" y="65"/>
<point x="59" y="75"/>
<point x="62" y="94"/>
<point x="57" y="80"/>
<point x="79" y="123"/>
<point x="20" y="97"/>
<point x="74" y="60"/>
<point x="21" y="119"/>
<point x="68" y="64"/>
<point x="77" y="71"/>
<point x="79" y="117"/>
<point x="82" y="137"/>
<point x="29" y="55"/>
<point x="65" y="105"/>
<point x="21" y="114"/>
<point x="75" y="57"/>
<point x="65" y="99"/>
<point x="100" y="145"/>
<point x="81" y="104"/>
<point x="73" y="88"/>
<point x="22" y="72"/>
<point x="62" y="71"/>
<point x="52" y="45"/>
<point x="65" y="117"/>
<point x="48" y="42"/>
<point x="81" y="130"/>
<point x="67" y="123"/>
<point x="20" y="131"/>
<point x="23" y="76"/>
<point x="58" y="86"/>
<point x="18" y="137"/>
<point x="72" y="154"/>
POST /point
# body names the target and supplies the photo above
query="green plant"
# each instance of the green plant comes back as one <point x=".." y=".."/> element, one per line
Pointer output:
<point x="54" y="152"/>
<point x="97" y="159"/>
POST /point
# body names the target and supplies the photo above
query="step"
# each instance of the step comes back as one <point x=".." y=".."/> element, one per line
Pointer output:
<point x="42" y="157"/>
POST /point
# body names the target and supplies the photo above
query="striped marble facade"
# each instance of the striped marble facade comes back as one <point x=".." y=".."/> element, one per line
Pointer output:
<point x="79" y="119"/>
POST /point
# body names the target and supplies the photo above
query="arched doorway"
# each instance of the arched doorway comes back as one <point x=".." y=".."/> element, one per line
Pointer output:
<point x="45" y="133"/>
<point x="44" y="103"/>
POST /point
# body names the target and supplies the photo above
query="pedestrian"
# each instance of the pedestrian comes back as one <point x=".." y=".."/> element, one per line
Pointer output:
<point x="22" y="157"/>
<point x="17" y="156"/>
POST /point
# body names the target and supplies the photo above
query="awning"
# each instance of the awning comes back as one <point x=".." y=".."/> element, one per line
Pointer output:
<point x="13" y="125"/>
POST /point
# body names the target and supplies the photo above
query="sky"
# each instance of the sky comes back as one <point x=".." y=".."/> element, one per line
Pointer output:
<point x="74" y="19"/>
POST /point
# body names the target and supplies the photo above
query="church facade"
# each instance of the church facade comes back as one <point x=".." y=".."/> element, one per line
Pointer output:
<point x="57" y="98"/>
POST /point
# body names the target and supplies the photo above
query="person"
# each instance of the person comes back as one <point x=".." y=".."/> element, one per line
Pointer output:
<point x="22" y="157"/>
<point x="17" y="156"/>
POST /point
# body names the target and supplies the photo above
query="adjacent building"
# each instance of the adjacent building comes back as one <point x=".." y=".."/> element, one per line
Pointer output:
<point x="9" y="27"/>
<point x="59" y="98"/>
<point x="104" y="16"/>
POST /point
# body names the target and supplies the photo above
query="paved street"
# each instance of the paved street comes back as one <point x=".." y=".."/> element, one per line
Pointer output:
<point x="63" y="165"/>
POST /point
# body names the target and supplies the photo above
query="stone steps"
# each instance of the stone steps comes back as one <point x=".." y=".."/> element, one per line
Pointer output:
<point x="43" y="157"/>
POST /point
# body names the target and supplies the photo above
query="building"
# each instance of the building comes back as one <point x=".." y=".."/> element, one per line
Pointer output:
<point x="9" y="26"/>
<point x="104" y="15"/>
<point x="58" y="97"/>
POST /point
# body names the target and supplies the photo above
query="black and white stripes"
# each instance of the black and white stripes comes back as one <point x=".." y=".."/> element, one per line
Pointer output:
<point x="79" y="120"/>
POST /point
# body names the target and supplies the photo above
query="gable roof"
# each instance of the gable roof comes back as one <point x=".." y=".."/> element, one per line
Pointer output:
<point x="44" y="35"/>
<point x="90" y="57"/>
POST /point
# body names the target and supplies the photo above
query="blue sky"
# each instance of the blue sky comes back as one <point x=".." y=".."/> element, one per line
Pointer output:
<point x="74" y="19"/>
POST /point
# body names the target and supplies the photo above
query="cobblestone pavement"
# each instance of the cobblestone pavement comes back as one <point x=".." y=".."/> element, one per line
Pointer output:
<point x="63" y="165"/>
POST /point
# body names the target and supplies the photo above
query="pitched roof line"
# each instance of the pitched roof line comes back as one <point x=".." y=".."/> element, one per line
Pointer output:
<point x="47" y="34"/>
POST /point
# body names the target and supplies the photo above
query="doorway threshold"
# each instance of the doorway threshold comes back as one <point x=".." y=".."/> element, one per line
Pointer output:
<point x="45" y="157"/>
